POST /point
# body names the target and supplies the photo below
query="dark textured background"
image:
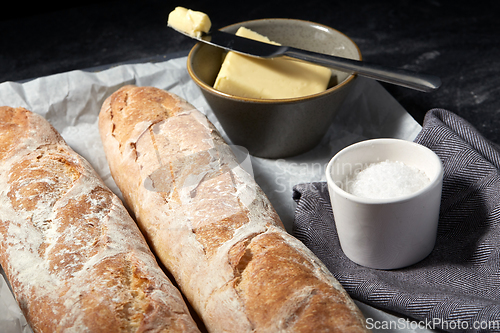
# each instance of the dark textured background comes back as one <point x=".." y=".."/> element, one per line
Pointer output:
<point x="456" y="40"/>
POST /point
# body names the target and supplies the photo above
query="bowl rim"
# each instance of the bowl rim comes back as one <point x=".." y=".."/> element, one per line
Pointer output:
<point x="214" y="91"/>
<point x="437" y="180"/>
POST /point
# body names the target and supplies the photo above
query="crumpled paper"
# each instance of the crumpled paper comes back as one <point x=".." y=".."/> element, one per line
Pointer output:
<point x="71" y="102"/>
<point x="11" y="318"/>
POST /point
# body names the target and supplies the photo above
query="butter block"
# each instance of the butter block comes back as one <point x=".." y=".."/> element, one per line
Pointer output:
<point x="189" y="21"/>
<point x="275" y="78"/>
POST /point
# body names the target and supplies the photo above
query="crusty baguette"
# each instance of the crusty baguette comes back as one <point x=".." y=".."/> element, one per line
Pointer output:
<point x="210" y="223"/>
<point x="74" y="257"/>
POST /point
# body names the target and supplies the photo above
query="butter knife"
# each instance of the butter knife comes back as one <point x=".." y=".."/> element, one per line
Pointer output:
<point x="253" y="48"/>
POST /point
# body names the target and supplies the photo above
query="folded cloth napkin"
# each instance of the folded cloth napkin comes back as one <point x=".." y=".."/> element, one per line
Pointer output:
<point x="457" y="287"/>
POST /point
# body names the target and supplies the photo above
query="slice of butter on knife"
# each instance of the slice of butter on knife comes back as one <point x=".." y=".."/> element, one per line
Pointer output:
<point x="189" y="21"/>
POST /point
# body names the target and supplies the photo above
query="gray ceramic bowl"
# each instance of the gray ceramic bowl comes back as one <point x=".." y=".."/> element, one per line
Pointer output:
<point x="276" y="128"/>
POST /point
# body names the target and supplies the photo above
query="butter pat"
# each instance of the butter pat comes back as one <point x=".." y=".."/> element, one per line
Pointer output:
<point x="189" y="21"/>
<point x="275" y="78"/>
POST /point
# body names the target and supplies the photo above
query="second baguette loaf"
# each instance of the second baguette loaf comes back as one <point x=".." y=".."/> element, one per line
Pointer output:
<point x="211" y="224"/>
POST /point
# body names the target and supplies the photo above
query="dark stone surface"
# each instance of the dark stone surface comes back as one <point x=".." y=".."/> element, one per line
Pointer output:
<point x="456" y="40"/>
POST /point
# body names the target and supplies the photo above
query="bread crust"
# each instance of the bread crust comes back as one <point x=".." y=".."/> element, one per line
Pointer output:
<point x="74" y="257"/>
<point x="211" y="225"/>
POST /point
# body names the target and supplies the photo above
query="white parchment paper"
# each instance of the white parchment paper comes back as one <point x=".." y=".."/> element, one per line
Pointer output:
<point x="71" y="103"/>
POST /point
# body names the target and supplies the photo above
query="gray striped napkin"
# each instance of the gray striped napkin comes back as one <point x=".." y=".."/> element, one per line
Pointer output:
<point x="457" y="287"/>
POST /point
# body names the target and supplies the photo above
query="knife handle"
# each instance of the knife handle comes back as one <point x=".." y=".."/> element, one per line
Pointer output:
<point x="400" y="77"/>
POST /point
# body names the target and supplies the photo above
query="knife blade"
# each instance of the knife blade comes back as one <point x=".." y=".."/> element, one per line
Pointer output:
<point x="249" y="47"/>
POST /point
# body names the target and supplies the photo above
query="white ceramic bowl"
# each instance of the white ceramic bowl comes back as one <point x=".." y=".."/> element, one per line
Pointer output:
<point x="392" y="232"/>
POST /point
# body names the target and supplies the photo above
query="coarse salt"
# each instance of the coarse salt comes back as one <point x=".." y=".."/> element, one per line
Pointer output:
<point x="387" y="179"/>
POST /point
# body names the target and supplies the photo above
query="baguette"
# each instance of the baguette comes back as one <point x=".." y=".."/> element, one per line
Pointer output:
<point x="74" y="257"/>
<point x="211" y="225"/>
